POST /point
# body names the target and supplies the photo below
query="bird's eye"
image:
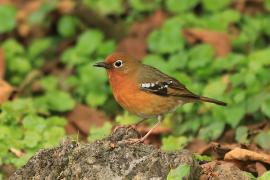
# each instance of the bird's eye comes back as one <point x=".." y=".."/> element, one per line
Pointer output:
<point x="118" y="63"/>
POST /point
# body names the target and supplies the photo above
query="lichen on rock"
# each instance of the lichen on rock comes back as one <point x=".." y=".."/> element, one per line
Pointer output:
<point x="106" y="159"/>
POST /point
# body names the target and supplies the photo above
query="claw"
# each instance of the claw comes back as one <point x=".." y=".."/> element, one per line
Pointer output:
<point x="128" y="128"/>
<point x="118" y="127"/>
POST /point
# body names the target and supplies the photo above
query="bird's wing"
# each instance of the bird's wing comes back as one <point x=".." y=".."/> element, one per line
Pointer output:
<point x="154" y="81"/>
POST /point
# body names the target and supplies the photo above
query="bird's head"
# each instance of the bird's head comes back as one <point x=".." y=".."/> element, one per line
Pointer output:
<point x="119" y="63"/>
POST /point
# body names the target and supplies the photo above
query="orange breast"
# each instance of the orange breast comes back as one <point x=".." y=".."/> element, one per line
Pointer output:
<point x="128" y="94"/>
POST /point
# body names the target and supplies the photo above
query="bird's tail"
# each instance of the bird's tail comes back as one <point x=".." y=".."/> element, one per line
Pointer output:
<point x="210" y="100"/>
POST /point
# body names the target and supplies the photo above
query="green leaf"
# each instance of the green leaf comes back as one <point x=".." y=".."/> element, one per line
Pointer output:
<point x="12" y="48"/>
<point x="7" y="18"/>
<point x="19" y="162"/>
<point x="200" y="56"/>
<point x="31" y="139"/>
<point x="19" y="65"/>
<point x="88" y="42"/>
<point x="59" y="101"/>
<point x="34" y="123"/>
<point x="265" y="176"/>
<point x="106" y="48"/>
<point x="176" y="6"/>
<point x="5" y="132"/>
<point x="250" y="176"/>
<point x="266" y="107"/>
<point x="18" y="108"/>
<point x="168" y="39"/>
<point x="52" y="136"/>
<point x="180" y="172"/>
<point x="202" y="157"/>
<point x="39" y="47"/>
<point x="212" y="131"/>
<point x="97" y="133"/>
<point x="262" y="139"/>
<point x="215" y="88"/>
<point x="144" y="6"/>
<point x="56" y="121"/>
<point x="241" y="135"/>
<point x="73" y="57"/>
<point x="156" y="61"/>
<point x="258" y="59"/>
<point x="212" y="21"/>
<point x="211" y="5"/>
<point x="39" y="16"/>
<point x="234" y="114"/>
<point x="267" y="4"/>
<point x="254" y="102"/>
<point x="49" y="83"/>
<point x="126" y="119"/>
<point x="95" y="99"/>
<point x="178" y="60"/>
<point x="106" y="6"/>
<point x="172" y="143"/>
<point x="67" y="25"/>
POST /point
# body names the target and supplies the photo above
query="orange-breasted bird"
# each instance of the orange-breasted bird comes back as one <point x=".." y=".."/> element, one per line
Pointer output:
<point x="144" y="90"/>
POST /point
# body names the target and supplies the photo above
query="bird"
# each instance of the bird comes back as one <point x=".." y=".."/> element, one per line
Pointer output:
<point x="145" y="91"/>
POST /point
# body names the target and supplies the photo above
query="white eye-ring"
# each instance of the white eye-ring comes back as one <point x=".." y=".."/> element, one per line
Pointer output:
<point x="118" y="63"/>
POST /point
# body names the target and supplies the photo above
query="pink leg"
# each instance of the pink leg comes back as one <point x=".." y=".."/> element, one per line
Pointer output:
<point x="135" y="141"/>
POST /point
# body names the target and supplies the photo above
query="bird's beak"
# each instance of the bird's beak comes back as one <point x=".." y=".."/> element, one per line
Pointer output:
<point x="103" y="64"/>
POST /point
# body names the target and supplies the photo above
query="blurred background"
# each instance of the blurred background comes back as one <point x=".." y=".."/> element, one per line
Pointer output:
<point x="49" y="89"/>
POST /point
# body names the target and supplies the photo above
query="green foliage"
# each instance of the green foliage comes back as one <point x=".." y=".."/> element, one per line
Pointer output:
<point x="234" y="114"/>
<point x="144" y="6"/>
<point x="267" y="4"/>
<point x="105" y="6"/>
<point x="202" y="157"/>
<point x="180" y="172"/>
<point x="266" y="107"/>
<point x="23" y="129"/>
<point x="172" y="143"/>
<point x="39" y="16"/>
<point x="67" y="25"/>
<point x="216" y="6"/>
<point x="241" y="78"/>
<point x="126" y="119"/>
<point x="84" y="47"/>
<point x="250" y="176"/>
<point x="59" y="101"/>
<point x="168" y="39"/>
<point x="98" y="133"/>
<point x="212" y="131"/>
<point x="265" y="176"/>
<point x="215" y="88"/>
<point x="7" y="18"/>
<point x="176" y="6"/>
<point x="79" y="54"/>
<point x="241" y="135"/>
<point x="262" y="139"/>
<point x="17" y="64"/>
<point x="39" y="46"/>
<point x="89" y="81"/>
<point x="20" y="61"/>
<point x="200" y="56"/>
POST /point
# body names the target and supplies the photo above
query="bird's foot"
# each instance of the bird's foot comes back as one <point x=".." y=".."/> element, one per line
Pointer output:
<point x="128" y="128"/>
